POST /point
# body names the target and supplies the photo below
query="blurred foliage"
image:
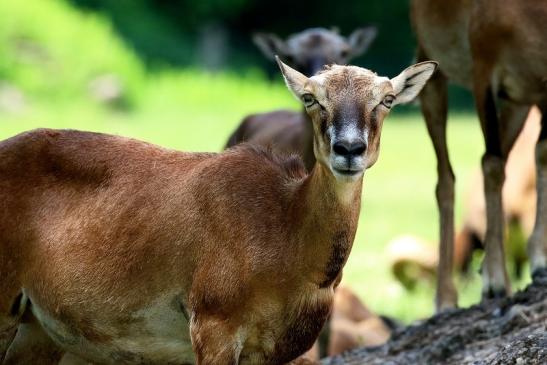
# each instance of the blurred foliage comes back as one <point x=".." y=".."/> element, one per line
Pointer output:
<point x="171" y="32"/>
<point x="55" y="58"/>
<point x="147" y="27"/>
<point x="167" y="33"/>
<point x="52" y="51"/>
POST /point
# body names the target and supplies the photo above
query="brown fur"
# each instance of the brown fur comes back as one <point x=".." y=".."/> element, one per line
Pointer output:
<point x="109" y="193"/>
<point x="497" y="49"/>
<point x="102" y="190"/>
<point x="127" y="251"/>
<point x="519" y="197"/>
<point x="357" y="102"/>
<point x="284" y="130"/>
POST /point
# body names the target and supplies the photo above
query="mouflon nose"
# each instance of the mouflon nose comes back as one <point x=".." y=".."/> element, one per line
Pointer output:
<point x="349" y="149"/>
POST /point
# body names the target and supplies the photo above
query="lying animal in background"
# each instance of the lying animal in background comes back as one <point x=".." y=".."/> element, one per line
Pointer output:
<point x="119" y="251"/>
<point x="353" y="325"/>
<point x="308" y="52"/>
<point x="497" y="49"/>
<point x="412" y="260"/>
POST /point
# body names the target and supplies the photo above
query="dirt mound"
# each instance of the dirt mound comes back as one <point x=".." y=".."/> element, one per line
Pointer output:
<point x="500" y="331"/>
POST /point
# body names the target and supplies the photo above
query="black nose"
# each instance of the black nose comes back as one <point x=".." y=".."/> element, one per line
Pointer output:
<point x="349" y="149"/>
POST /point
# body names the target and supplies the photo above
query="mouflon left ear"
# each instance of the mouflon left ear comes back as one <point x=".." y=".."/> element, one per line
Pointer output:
<point x="295" y="80"/>
<point x="408" y="84"/>
<point x="361" y="39"/>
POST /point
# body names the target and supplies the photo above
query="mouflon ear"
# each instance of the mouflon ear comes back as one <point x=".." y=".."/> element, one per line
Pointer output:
<point x="270" y="45"/>
<point x="408" y="84"/>
<point x="361" y="39"/>
<point x="295" y="80"/>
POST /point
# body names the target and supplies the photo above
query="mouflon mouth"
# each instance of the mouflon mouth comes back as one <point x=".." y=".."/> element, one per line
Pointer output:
<point x="347" y="172"/>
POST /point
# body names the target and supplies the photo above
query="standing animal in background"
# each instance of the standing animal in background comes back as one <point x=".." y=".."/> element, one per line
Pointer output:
<point x="353" y="325"/>
<point x="414" y="260"/>
<point x="496" y="48"/>
<point x="519" y="200"/>
<point x="119" y="251"/>
<point x="308" y="52"/>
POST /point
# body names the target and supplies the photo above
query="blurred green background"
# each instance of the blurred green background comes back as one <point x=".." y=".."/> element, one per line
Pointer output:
<point x="141" y="68"/>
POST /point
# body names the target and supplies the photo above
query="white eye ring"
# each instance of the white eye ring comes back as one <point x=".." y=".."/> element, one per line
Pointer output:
<point x="308" y="100"/>
<point x="388" y="101"/>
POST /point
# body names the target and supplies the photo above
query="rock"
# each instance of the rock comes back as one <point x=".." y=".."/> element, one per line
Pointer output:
<point x="516" y="334"/>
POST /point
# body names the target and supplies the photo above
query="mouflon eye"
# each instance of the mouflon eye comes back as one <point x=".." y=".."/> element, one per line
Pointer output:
<point x="308" y="100"/>
<point x="388" y="101"/>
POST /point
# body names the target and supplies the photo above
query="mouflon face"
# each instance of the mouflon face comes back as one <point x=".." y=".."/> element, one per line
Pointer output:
<point x="347" y="105"/>
<point x="310" y="50"/>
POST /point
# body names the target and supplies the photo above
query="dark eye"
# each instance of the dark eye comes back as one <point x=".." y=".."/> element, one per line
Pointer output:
<point x="344" y="53"/>
<point x="388" y="101"/>
<point x="308" y="100"/>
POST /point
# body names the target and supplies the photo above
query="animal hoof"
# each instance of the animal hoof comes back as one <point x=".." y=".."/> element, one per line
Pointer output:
<point x="540" y="274"/>
<point x="446" y="308"/>
<point x="493" y="293"/>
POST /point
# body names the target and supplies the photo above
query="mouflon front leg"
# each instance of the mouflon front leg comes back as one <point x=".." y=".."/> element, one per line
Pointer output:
<point x="214" y="340"/>
<point x="434" y="103"/>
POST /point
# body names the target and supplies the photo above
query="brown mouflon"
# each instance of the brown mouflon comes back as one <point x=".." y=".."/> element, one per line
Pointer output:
<point x="121" y="252"/>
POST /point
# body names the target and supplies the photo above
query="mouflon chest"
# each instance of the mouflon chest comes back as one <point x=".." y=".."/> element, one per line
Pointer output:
<point x="337" y="255"/>
<point x="304" y="325"/>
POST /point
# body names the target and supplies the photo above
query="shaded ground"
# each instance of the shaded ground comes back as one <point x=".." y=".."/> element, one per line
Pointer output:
<point x="502" y="331"/>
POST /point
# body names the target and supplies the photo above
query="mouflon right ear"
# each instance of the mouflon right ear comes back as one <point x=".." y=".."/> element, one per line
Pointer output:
<point x="270" y="45"/>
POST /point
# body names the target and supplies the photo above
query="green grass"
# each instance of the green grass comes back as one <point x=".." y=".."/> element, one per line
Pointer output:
<point x="52" y="57"/>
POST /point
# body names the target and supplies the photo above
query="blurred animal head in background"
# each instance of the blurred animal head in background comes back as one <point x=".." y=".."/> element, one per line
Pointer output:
<point x="347" y="105"/>
<point x="310" y="50"/>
